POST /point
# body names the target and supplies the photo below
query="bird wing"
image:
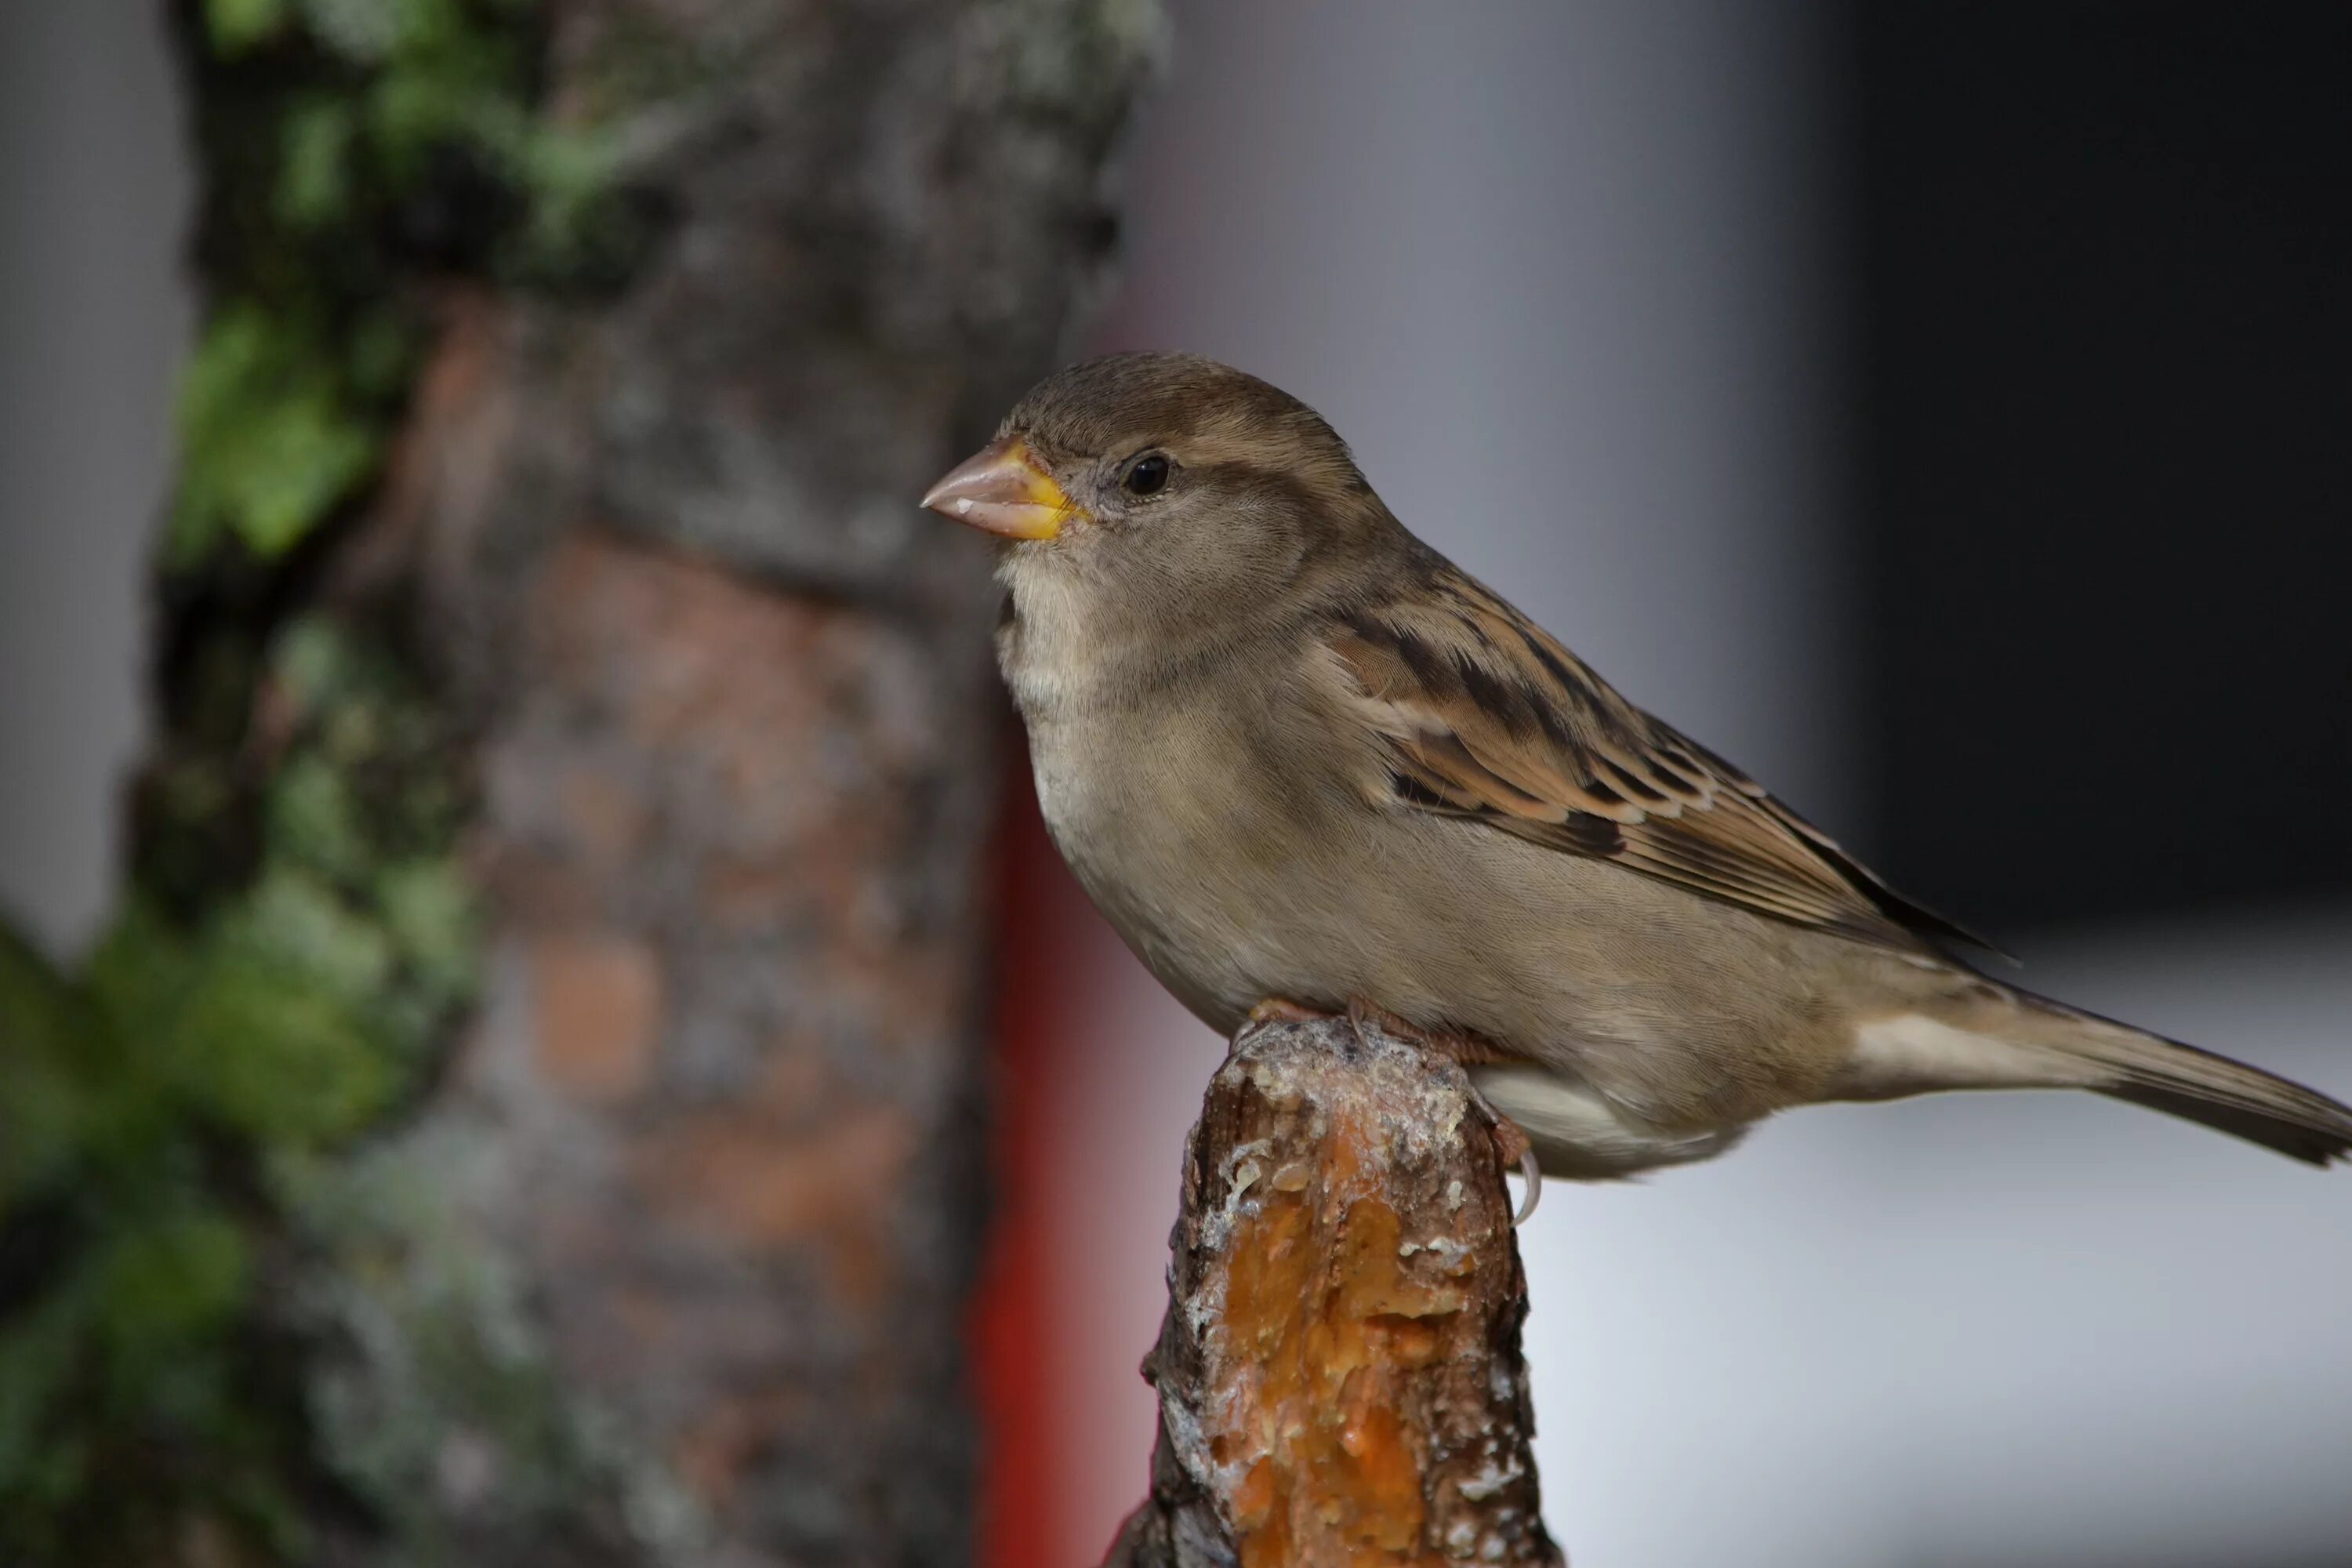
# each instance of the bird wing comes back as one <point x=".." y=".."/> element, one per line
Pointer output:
<point x="1479" y="713"/>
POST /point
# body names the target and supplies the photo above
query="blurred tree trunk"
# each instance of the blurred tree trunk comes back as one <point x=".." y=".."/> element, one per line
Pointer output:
<point x="532" y="1091"/>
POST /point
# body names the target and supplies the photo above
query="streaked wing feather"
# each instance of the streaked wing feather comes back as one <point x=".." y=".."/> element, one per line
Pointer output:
<point x="1484" y="715"/>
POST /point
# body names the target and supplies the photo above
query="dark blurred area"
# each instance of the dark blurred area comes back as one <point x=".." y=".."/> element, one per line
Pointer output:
<point x="2102" y="430"/>
<point x="1941" y="409"/>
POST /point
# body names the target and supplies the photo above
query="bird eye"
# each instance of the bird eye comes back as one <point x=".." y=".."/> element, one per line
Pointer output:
<point x="1147" y="476"/>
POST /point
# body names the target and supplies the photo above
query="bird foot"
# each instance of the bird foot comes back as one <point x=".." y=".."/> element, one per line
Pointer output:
<point x="1511" y="1142"/>
<point x="1362" y="1014"/>
<point x="1283" y="1010"/>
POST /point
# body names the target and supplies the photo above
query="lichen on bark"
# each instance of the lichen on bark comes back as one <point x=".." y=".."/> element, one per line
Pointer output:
<point x="213" y="1046"/>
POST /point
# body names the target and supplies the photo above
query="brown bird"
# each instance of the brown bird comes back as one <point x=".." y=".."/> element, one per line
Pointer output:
<point x="1305" y="763"/>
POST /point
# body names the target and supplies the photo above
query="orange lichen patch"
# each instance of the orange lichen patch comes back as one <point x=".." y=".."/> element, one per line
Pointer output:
<point x="754" y="1183"/>
<point x="1327" y="1321"/>
<point x="794" y="1079"/>
<point x="441" y="483"/>
<point x="727" y="1437"/>
<point x="597" y="999"/>
<point x="602" y="818"/>
<point x="777" y="799"/>
<point x="745" y="892"/>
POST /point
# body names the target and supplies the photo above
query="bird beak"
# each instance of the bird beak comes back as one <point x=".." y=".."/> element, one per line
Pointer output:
<point x="1002" y="490"/>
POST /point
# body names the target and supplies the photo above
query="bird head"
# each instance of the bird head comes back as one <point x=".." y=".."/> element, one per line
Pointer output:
<point x="1171" y="487"/>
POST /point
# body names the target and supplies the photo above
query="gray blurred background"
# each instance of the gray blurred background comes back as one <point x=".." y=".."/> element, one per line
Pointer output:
<point x="1941" y="410"/>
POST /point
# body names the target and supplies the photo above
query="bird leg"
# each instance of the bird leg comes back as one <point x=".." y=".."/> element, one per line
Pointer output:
<point x="1511" y="1142"/>
<point x="1283" y="1010"/>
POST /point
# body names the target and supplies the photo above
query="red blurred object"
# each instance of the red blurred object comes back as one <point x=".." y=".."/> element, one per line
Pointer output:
<point x="1014" y="1304"/>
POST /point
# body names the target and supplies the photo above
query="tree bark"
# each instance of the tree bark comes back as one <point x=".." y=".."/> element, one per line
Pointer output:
<point x="550" y="994"/>
<point x="1338" y="1371"/>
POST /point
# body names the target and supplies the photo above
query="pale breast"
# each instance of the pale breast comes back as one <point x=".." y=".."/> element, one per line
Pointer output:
<point x="1235" y="849"/>
<point x="1162" y="816"/>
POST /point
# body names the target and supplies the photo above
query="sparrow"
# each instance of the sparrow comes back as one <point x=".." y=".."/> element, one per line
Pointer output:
<point x="1305" y="764"/>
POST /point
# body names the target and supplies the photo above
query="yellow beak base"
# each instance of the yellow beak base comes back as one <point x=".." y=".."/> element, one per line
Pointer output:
<point x="1002" y="489"/>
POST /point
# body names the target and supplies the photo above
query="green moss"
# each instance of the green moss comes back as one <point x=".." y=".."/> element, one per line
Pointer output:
<point x="156" y="1094"/>
<point x="202" y="1110"/>
<point x="42" y="1017"/>
<point x="316" y="181"/>
<point x="122" y="1403"/>
<point x="355" y="145"/>
<point x="270" y="438"/>
<point x="237" y="26"/>
<point x="641" y="57"/>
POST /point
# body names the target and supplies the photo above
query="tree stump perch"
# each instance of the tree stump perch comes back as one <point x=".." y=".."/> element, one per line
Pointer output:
<point x="1339" y="1371"/>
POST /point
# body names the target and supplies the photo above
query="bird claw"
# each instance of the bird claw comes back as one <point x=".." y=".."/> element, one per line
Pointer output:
<point x="1283" y="1010"/>
<point x="1511" y="1142"/>
<point x="1362" y="1013"/>
<point x="1532" y="1174"/>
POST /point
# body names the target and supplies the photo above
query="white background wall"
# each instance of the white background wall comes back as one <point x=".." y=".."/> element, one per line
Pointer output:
<point x="93" y="195"/>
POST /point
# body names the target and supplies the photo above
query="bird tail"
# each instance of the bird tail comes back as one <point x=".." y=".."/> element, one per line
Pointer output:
<point x="2005" y="1039"/>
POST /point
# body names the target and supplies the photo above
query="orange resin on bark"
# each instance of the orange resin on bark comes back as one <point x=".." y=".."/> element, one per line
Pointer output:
<point x="1320" y="1307"/>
